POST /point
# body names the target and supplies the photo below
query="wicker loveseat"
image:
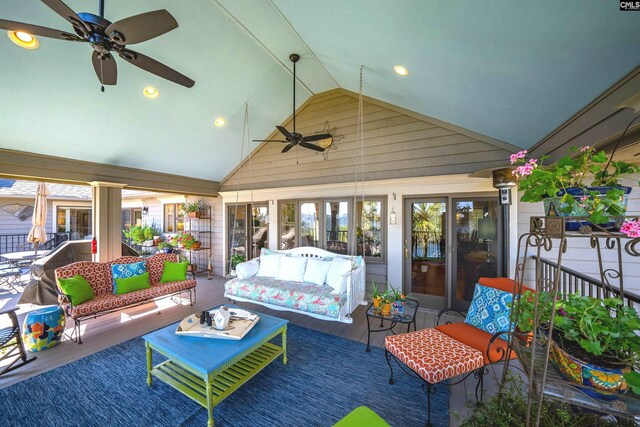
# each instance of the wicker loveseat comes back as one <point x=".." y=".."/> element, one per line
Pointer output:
<point x="99" y="276"/>
<point x="317" y="300"/>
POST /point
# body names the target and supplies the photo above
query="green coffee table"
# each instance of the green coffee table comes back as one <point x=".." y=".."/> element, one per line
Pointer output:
<point x="208" y="370"/>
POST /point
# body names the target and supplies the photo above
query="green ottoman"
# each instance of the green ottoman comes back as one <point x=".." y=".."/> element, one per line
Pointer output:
<point x="362" y="417"/>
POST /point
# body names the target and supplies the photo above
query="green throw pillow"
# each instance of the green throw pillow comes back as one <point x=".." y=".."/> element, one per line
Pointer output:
<point x="78" y="289"/>
<point x="174" y="271"/>
<point x="133" y="283"/>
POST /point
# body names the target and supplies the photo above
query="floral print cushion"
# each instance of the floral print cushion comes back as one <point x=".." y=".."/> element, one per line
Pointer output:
<point x="302" y="296"/>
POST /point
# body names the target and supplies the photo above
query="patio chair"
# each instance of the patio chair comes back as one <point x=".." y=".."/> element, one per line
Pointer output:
<point x="11" y="346"/>
<point x="10" y="275"/>
<point x="453" y="349"/>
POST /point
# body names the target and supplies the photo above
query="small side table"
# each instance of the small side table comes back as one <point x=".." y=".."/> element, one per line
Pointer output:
<point x="408" y="318"/>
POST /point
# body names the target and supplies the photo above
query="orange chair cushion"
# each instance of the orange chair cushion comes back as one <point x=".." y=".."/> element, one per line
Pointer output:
<point x="477" y="339"/>
<point x="502" y="283"/>
<point x="433" y="355"/>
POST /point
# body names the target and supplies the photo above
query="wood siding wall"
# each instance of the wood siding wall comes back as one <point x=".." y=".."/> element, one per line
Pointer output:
<point x="397" y="145"/>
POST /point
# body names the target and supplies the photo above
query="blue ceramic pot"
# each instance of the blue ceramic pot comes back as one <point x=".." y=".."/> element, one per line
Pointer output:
<point x="605" y="381"/>
<point x="553" y="206"/>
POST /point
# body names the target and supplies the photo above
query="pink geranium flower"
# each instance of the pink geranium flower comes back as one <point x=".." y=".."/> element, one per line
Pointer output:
<point x="631" y="228"/>
<point x="519" y="155"/>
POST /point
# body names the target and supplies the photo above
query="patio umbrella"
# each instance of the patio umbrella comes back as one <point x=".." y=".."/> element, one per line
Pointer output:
<point x="38" y="233"/>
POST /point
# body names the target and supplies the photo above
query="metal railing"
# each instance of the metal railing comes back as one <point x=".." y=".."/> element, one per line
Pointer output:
<point x="18" y="242"/>
<point x="572" y="281"/>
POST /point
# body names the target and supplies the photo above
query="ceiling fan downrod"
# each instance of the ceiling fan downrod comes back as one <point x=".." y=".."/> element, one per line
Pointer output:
<point x="294" y="57"/>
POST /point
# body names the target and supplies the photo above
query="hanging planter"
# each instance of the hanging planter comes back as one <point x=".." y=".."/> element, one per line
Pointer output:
<point x="588" y="199"/>
<point x="603" y="201"/>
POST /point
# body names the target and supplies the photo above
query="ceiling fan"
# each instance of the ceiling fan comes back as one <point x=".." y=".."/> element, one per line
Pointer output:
<point x="107" y="38"/>
<point x="293" y="138"/>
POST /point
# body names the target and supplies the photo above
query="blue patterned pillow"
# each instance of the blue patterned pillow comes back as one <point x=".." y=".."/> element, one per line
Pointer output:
<point x="490" y="309"/>
<point x="119" y="271"/>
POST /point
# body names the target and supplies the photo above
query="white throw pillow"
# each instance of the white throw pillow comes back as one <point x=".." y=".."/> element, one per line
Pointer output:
<point x="292" y="268"/>
<point x="247" y="269"/>
<point x="339" y="267"/>
<point x="269" y="265"/>
<point x="316" y="271"/>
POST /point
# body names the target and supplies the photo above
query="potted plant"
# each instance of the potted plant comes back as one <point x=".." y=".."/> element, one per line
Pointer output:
<point x="135" y="233"/>
<point x="385" y="303"/>
<point x="508" y="407"/>
<point x="165" y="247"/>
<point x="234" y="261"/>
<point x="191" y="210"/>
<point x="594" y="341"/>
<point x="398" y="301"/>
<point x="376" y="297"/>
<point x="187" y="241"/>
<point x="584" y="183"/>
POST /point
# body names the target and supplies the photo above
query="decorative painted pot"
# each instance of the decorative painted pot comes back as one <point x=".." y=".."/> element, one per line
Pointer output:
<point x="553" y="206"/>
<point x="580" y="372"/>
<point x="398" y="307"/>
<point x="376" y="302"/>
<point x="385" y="309"/>
<point x="43" y="328"/>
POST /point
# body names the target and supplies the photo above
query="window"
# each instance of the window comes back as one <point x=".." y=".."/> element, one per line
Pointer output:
<point x="309" y="224"/>
<point x="288" y="225"/>
<point x="75" y="221"/>
<point x="239" y="229"/>
<point x="336" y="226"/>
<point x="173" y="221"/>
<point x="329" y="224"/>
<point x="259" y="229"/>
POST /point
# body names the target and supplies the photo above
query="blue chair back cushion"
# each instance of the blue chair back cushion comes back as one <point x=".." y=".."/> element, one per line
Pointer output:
<point x="490" y="309"/>
<point x="120" y="271"/>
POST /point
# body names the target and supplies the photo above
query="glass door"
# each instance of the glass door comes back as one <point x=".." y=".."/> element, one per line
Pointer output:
<point x="477" y="246"/>
<point x="425" y="251"/>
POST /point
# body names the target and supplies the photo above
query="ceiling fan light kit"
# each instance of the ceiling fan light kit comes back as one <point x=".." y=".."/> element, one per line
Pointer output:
<point x="293" y="138"/>
<point x="24" y="40"/>
<point x="106" y="39"/>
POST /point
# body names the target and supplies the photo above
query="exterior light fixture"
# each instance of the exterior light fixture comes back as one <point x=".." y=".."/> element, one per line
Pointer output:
<point x="392" y="215"/>
<point x="24" y="40"/>
<point x="401" y="70"/>
<point x="151" y="92"/>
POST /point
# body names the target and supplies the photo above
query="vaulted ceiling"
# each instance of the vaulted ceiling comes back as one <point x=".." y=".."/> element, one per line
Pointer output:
<point x="510" y="70"/>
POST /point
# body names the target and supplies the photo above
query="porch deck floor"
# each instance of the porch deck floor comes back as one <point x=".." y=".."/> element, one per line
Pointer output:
<point x="107" y="331"/>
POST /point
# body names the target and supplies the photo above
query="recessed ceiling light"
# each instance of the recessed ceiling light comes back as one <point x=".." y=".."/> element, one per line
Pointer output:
<point x="23" y="39"/>
<point x="151" y="92"/>
<point x="219" y="121"/>
<point x="401" y="70"/>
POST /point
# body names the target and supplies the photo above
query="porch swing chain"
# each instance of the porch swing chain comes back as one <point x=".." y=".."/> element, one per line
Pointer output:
<point x="245" y="135"/>
<point x="360" y="139"/>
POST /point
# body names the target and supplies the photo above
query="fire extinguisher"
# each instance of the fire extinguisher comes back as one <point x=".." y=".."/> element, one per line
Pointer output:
<point x="94" y="246"/>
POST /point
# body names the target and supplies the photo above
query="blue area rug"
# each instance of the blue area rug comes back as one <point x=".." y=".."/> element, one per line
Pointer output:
<point x="325" y="378"/>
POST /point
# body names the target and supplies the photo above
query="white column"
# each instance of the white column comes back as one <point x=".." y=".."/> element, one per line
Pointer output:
<point x="106" y="200"/>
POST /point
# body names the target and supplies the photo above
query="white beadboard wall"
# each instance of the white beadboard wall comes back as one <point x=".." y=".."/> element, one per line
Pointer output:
<point x="580" y="256"/>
